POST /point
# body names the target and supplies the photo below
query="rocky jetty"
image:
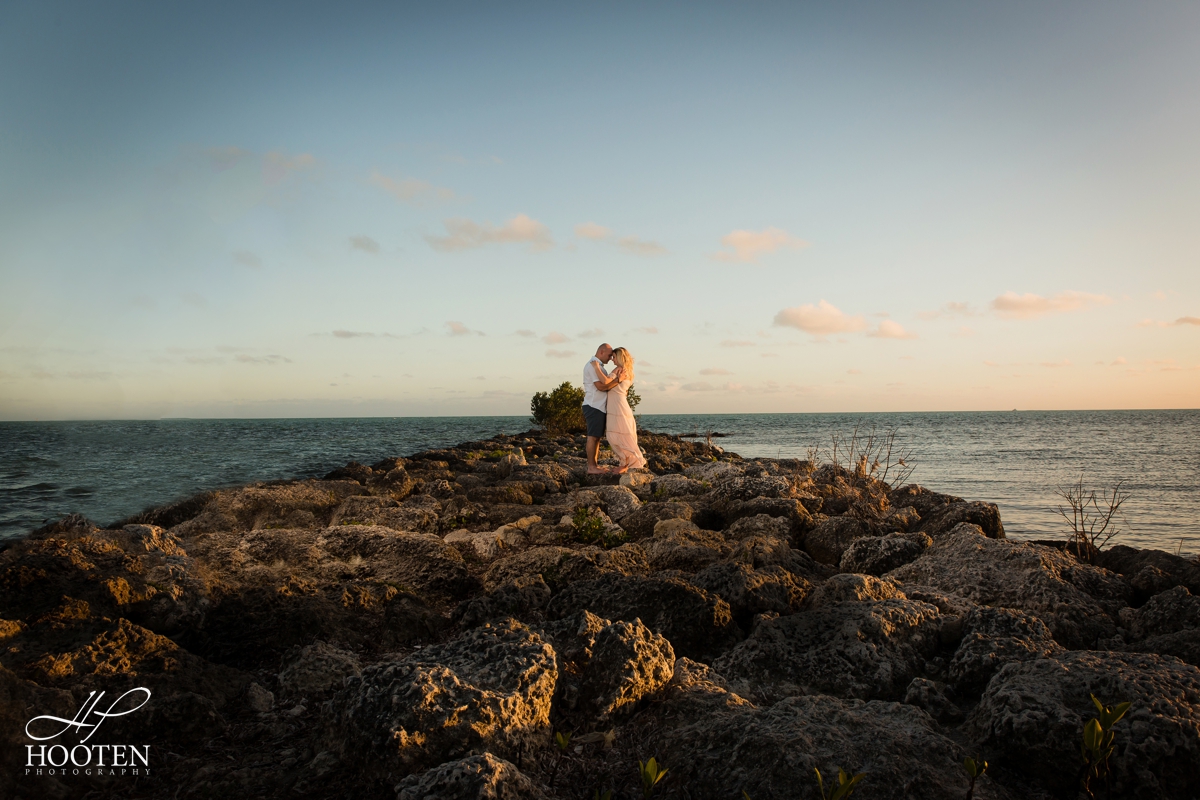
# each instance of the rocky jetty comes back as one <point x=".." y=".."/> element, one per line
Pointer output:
<point x="423" y="627"/>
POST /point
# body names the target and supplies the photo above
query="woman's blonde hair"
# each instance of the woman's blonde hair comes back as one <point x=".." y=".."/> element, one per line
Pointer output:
<point x="622" y="358"/>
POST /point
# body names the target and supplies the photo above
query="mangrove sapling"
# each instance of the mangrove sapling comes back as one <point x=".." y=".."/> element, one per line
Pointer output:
<point x="650" y="774"/>
<point x="1098" y="745"/>
<point x="562" y="741"/>
<point x="974" y="770"/>
<point x="1093" y="517"/>
<point x="844" y="788"/>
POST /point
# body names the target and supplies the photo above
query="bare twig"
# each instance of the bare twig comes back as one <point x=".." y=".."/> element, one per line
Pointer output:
<point x="1092" y="516"/>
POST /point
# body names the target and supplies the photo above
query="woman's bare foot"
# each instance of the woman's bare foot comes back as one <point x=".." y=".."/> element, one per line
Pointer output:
<point x="599" y="471"/>
<point x="621" y="471"/>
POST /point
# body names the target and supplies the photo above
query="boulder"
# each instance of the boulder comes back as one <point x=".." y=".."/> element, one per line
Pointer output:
<point x="1151" y="571"/>
<point x="675" y="485"/>
<point x="1077" y="602"/>
<point x="1032" y="715"/>
<point x="628" y="662"/>
<point x="733" y="747"/>
<point x="760" y="525"/>
<point x="919" y="498"/>
<point x="936" y="699"/>
<point x="697" y="624"/>
<point x="750" y="591"/>
<point x="875" y="555"/>
<point x="524" y="598"/>
<point x="264" y="505"/>
<point x="713" y="472"/>
<point x="619" y="501"/>
<point x="678" y="544"/>
<point x="1169" y="624"/>
<point x="315" y="669"/>
<point x="993" y="637"/>
<point x="478" y="777"/>
<point x="943" y="519"/>
<point x="860" y="637"/>
<point x="830" y="538"/>
<point x="797" y="511"/>
<point x="561" y="566"/>
<point x="640" y="523"/>
<point x="903" y="519"/>
<point x="490" y="688"/>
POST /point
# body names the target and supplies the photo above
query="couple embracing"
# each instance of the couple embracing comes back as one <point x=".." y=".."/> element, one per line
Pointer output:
<point x="606" y="410"/>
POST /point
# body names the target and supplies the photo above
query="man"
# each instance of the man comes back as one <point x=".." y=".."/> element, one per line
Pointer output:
<point x="595" y="405"/>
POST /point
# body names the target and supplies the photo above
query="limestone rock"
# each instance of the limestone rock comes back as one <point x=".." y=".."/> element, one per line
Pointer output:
<point x="1151" y="571"/>
<point x="830" y="538"/>
<point x="676" y="485"/>
<point x="751" y="591"/>
<point x="678" y="544"/>
<point x="696" y="624"/>
<point x="919" y="498"/>
<point x="619" y="501"/>
<point x="628" y="662"/>
<point x="713" y="472"/>
<point x="875" y="555"/>
<point x="489" y="688"/>
<point x="315" y="669"/>
<point x="943" y="519"/>
<point x="479" y="777"/>
<point x="759" y="525"/>
<point x="640" y="523"/>
<point x="993" y="637"/>
<point x="857" y="639"/>
<point x="1032" y="715"/>
<point x="1168" y="624"/>
<point x="935" y="698"/>
<point x="560" y="566"/>
<point x="523" y="598"/>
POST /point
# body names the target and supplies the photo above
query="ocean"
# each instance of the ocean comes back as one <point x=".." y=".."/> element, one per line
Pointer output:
<point x="1017" y="459"/>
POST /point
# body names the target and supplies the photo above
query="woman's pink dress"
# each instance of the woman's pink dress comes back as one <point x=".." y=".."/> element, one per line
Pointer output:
<point x="621" y="428"/>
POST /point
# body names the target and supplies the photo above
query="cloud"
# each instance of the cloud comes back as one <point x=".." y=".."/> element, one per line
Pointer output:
<point x="277" y="166"/>
<point x="854" y="372"/>
<point x="820" y="320"/>
<point x="700" y="386"/>
<point x="463" y="234"/>
<point x="715" y="371"/>
<point x="526" y="333"/>
<point x="352" y="334"/>
<point x="1149" y="323"/>
<point x="590" y="230"/>
<point x="1187" y="321"/>
<point x="889" y="329"/>
<point x="271" y="359"/>
<point x="648" y="330"/>
<point x="458" y="329"/>
<point x="948" y="310"/>
<point x="749" y="245"/>
<point x="247" y="259"/>
<point x="411" y="191"/>
<point x="554" y="337"/>
<point x="560" y="354"/>
<point x="1028" y="306"/>
<point x="590" y="332"/>
<point x="737" y="343"/>
<point x="364" y="243"/>
<point x="1119" y="362"/>
<point x="224" y="158"/>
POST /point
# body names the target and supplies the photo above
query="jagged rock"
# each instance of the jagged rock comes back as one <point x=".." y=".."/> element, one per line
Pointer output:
<point x="489" y="544"/>
<point x="1151" y="571"/>
<point x="751" y="591"/>
<point x="771" y="752"/>
<point x="395" y="483"/>
<point x="830" y="538"/>
<point x="560" y="566"/>
<point x="935" y="698"/>
<point x="1032" y="715"/>
<point x="759" y="525"/>
<point x="479" y="777"/>
<point x="713" y="472"/>
<point x="501" y="493"/>
<point x="764" y="551"/>
<point x="678" y="544"/>
<point x="628" y="662"/>
<point x="993" y="637"/>
<point x="267" y="505"/>
<point x="1037" y="580"/>
<point x="676" y="485"/>
<point x="875" y="555"/>
<point x="920" y="498"/>
<point x="316" y="668"/>
<point x="619" y="501"/>
<point x="522" y="598"/>
<point x="258" y="699"/>
<point x="697" y="624"/>
<point x="640" y="523"/>
<point x="943" y="519"/>
<point x="513" y="461"/>
<point x="489" y="688"/>
<point x="1169" y="624"/>
<point x="552" y="477"/>
<point x="904" y="519"/>
<point x="860" y="637"/>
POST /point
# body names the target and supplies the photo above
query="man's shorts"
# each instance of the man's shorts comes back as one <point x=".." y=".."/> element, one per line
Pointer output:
<point x="595" y="419"/>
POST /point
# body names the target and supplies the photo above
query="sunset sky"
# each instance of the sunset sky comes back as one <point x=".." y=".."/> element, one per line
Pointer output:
<point x="245" y="210"/>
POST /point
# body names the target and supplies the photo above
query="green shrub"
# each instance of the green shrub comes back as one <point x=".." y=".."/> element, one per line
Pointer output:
<point x="844" y="787"/>
<point x="560" y="411"/>
<point x="651" y="775"/>
<point x="633" y="397"/>
<point x="1098" y="744"/>
<point x="590" y="528"/>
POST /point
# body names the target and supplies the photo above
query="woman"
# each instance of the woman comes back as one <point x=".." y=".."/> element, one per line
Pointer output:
<point x="620" y="426"/>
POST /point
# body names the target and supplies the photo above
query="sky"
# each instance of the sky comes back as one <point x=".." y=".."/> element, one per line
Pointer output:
<point x="299" y="210"/>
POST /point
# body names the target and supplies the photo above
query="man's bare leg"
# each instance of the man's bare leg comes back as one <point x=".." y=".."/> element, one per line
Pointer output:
<point x="593" y="449"/>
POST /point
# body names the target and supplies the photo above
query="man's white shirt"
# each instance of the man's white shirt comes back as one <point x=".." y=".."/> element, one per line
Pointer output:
<point x="592" y="396"/>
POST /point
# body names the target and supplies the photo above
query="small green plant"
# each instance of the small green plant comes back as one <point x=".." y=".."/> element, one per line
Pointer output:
<point x="633" y="398"/>
<point x="590" y="528"/>
<point x="559" y="411"/>
<point x="974" y="770"/>
<point x="599" y="795"/>
<point x="562" y="741"/>
<point x="845" y="785"/>
<point x="1098" y="745"/>
<point x="651" y="774"/>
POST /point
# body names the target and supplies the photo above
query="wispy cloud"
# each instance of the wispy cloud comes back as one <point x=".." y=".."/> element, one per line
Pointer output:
<point x="1150" y="323"/>
<point x="630" y="244"/>
<point x="560" y="354"/>
<point x="271" y="359"/>
<point x="948" y="310"/>
<point x="364" y="243"/>
<point x="352" y="335"/>
<point x="554" y="337"/>
<point x="821" y="319"/>
<point x="223" y="158"/>
<point x="590" y="332"/>
<point x="737" y="343"/>
<point x="247" y="259"/>
<point x="464" y="234"/>
<point x="747" y="246"/>
<point x="1029" y="306"/>
<point x="890" y="329"/>
<point x="412" y="191"/>
<point x="650" y="329"/>
<point x="528" y="334"/>
<point x="715" y="371"/>
<point x="458" y="329"/>
<point x="277" y="166"/>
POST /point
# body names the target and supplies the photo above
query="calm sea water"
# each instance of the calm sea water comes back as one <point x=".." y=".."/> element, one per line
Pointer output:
<point x="109" y="470"/>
